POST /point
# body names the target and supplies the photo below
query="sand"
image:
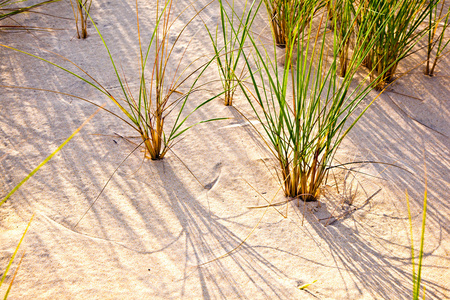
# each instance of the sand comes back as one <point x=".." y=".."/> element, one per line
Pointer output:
<point x="156" y="232"/>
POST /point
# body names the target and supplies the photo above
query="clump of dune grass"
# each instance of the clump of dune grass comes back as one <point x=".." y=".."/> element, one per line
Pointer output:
<point x="288" y="17"/>
<point x="81" y="10"/>
<point x="341" y="15"/>
<point x="154" y="102"/>
<point x="306" y="108"/>
<point x="400" y="33"/>
<point x="159" y="93"/>
<point x="438" y="22"/>
<point x="233" y="32"/>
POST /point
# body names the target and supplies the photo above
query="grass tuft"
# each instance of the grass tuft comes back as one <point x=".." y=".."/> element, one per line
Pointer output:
<point x="288" y="18"/>
<point x="159" y="93"/>
<point x="81" y="9"/>
<point x="233" y="30"/>
<point x="306" y="108"/>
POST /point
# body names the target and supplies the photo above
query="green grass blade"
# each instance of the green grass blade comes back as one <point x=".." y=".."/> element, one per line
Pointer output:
<point x="15" y="252"/>
<point x="48" y="158"/>
<point x="422" y="242"/>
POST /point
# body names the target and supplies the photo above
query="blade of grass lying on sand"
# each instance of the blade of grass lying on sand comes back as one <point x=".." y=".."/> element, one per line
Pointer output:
<point x="302" y="287"/>
<point x="12" y="260"/>
<point x="14" y="276"/>
<point x="45" y="161"/>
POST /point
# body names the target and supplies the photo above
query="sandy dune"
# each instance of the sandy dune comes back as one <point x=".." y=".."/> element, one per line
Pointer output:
<point x="155" y="229"/>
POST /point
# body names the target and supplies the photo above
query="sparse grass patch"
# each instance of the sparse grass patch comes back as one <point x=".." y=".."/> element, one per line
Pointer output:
<point x="305" y="106"/>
